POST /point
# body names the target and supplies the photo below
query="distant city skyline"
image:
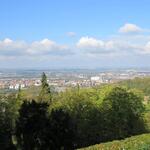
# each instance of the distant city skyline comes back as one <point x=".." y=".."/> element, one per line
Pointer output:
<point x="89" y="34"/>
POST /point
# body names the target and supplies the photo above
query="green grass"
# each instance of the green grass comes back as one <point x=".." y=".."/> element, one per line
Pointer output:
<point x="140" y="142"/>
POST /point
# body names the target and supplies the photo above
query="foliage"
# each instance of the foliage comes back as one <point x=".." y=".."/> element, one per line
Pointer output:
<point x="62" y="131"/>
<point x="142" y="84"/>
<point x="36" y="130"/>
<point x="78" y="117"/>
<point x="45" y="93"/>
<point x="81" y="107"/>
<point x="147" y="117"/>
<point x="122" y="110"/>
<point x="8" y="115"/>
<point x="31" y="93"/>
<point x="95" y="111"/>
<point x="30" y="126"/>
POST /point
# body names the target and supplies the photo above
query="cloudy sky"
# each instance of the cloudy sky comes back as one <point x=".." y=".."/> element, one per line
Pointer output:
<point x="74" y="33"/>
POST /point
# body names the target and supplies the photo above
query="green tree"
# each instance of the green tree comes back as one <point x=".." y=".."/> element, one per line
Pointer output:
<point x="103" y="114"/>
<point x="81" y="106"/>
<point x="45" y="93"/>
<point x="8" y="115"/>
<point x="19" y="94"/>
<point x="31" y="126"/>
<point x="36" y="130"/>
<point x="19" y="100"/>
<point x="122" y="111"/>
<point x="62" y="131"/>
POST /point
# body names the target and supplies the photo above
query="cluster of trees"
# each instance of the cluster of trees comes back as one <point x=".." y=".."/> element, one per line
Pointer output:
<point x="9" y="106"/>
<point x="71" y="119"/>
<point x="142" y="84"/>
<point x="35" y="129"/>
<point x="103" y="114"/>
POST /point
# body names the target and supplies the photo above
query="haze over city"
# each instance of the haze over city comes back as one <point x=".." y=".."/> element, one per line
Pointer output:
<point x="74" y="34"/>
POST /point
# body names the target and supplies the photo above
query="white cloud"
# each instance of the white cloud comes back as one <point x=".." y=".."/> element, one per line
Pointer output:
<point x="9" y="47"/>
<point x="7" y="41"/>
<point x="85" y="46"/>
<point x="89" y="42"/>
<point x="114" y="46"/>
<point x="47" y="47"/>
<point x="71" y="34"/>
<point x="145" y="49"/>
<point x="87" y="50"/>
<point x="97" y="46"/>
<point x="130" y="28"/>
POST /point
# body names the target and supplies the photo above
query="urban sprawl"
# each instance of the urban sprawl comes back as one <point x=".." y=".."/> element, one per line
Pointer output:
<point x="61" y="80"/>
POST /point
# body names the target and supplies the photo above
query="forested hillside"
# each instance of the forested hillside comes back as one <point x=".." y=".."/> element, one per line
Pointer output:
<point x="142" y="84"/>
<point x="75" y="118"/>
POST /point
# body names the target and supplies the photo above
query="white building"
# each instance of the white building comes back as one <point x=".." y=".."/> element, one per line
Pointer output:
<point x="16" y="87"/>
<point x="97" y="79"/>
<point x="11" y="87"/>
<point x="22" y="86"/>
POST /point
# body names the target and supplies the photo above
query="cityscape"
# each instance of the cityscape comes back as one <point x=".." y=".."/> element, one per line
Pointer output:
<point x="62" y="79"/>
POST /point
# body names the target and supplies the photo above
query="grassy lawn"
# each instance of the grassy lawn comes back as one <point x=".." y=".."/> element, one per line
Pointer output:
<point x="140" y="142"/>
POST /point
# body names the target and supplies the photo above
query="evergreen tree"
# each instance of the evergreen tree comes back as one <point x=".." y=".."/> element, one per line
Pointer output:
<point x="45" y="93"/>
<point x="32" y="126"/>
<point x="62" y="133"/>
<point x="7" y="119"/>
<point x="19" y="93"/>
<point x="19" y="98"/>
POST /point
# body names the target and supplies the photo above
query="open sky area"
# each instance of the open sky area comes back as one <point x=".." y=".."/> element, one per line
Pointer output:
<point x="74" y="33"/>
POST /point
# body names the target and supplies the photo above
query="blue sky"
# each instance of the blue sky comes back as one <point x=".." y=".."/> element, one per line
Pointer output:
<point x="74" y="33"/>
